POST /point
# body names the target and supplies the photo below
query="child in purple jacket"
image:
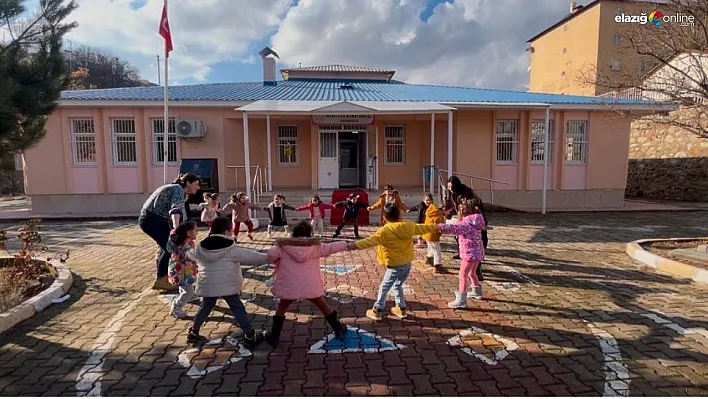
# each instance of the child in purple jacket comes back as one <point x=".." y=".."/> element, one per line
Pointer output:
<point x="469" y="231"/>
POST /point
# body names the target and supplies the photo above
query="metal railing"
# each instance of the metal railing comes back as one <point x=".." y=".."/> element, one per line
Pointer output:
<point x="441" y="185"/>
<point x="259" y="184"/>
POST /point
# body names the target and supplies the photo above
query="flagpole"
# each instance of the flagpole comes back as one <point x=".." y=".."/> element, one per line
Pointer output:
<point x="166" y="123"/>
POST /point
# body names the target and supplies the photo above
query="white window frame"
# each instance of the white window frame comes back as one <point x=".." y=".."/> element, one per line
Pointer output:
<point x="615" y="65"/>
<point x="158" y="136"/>
<point x="82" y="139"/>
<point x="288" y="139"/>
<point x="507" y="132"/>
<point x="394" y="138"/>
<point x="576" y="142"/>
<point x="537" y="130"/>
<point x="120" y="135"/>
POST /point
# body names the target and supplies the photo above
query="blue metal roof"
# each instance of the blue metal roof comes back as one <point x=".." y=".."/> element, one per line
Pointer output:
<point x="332" y="90"/>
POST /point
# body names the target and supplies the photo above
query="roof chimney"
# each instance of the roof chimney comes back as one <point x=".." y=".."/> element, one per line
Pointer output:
<point x="268" y="56"/>
<point x="572" y="6"/>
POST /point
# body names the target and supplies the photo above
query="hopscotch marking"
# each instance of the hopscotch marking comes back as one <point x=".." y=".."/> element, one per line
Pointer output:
<point x="194" y="372"/>
<point x="509" y="345"/>
<point x="340" y="269"/>
<point x="407" y="291"/>
<point x="345" y="293"/>
<point x="87" y="381"/>
<point x="617" y="379"/>
<point x="355" y="340"/>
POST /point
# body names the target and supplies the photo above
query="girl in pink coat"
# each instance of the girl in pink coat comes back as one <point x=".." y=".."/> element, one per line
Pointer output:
<point x="317" y="213"/>
<point x="298" y="276"/>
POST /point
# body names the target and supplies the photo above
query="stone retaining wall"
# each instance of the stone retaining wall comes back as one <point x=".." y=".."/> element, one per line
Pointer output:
<point x="667" y="163"/>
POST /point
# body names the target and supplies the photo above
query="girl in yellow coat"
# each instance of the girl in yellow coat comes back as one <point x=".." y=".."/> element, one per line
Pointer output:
<point x="389" y="196"/>
<point x="434" y="216"/>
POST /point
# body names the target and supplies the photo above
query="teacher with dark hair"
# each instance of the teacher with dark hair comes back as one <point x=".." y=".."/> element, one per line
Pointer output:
<point x="457" y="193"/>
<point x="164" y="210"/>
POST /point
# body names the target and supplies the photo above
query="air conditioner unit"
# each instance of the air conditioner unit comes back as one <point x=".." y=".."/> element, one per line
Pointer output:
<point x="191" y="128"/>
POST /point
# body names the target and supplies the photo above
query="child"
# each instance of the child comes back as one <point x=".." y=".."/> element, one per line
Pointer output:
<point x="351" y="214"/>
<point x="210" y="208"/>
<point x="239" y="206"/>
<point x="389" y="196"/>
<point x="469" y="232"/>
<point x="276" y="214"/>
<point x="219" y="276"/>
<point x="420" y="208"/>
<point x="182" y="271"/>
<point x="395" y="251"/>
<point x="433" y="215"/>
<point x="298" y="276"/>
<point x="316" y="217"/>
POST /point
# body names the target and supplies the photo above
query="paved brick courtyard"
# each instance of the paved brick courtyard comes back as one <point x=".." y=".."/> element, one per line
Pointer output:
<point x="566" y="313"/>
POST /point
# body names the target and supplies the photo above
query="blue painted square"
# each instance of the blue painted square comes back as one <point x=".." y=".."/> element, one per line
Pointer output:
<point x="355" y="340"/>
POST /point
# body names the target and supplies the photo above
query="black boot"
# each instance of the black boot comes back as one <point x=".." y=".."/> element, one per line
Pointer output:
<point x="356" y="232"/>
<point x="193" y="336"/>
<point x="252" y="340"/>
<point x="429" y="261"/>
<point x="339" y="328"/>
<point x="273" y="337"/>
<point x="479" y="273"/>
<point x="440" y="269"/>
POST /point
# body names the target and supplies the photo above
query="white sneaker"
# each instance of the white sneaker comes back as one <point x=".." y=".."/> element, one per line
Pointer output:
<point x="177" y="313"/>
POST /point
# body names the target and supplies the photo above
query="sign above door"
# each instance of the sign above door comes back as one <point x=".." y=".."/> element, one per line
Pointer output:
<point x="343" y="119"/>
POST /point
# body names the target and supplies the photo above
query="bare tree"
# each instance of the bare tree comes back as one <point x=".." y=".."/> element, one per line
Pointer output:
<point x="104" y="70"/>
<point x="668" y="62"/>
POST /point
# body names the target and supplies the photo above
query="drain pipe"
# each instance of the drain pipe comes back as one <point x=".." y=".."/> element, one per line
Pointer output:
<point x="546" y="128"/>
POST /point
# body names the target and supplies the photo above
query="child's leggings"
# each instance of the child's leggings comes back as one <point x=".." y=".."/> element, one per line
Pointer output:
<point x="237" y="227"/>
<point x="318" y="224"/>
<point x="467" y="269"/>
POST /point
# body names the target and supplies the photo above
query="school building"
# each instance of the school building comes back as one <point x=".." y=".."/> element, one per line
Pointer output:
<point x="327" y="127"/>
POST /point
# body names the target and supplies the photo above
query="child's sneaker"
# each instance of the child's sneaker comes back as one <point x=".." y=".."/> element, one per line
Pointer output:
<point x="374" y="314"/>
<point x="399" y="312"/>
<point x="193" y="337"/>
<point x="440" y="269"/>
<point x="177" y="313"/>
<point x="429" y="260"/>
<point x="252" y="342"/>
<point x="335" y="235"/>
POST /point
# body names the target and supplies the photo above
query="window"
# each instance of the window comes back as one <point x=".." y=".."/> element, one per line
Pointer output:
<point x="125" y="150"/>
<point x="287" y="145"/>
<point x="615" y="65"/>
<point x="394" y="145"/>
<point x="576" y="142"/>
<point x="641" y="67"/>
<point x="619" y="11"/>
<point x="537" y="145"/>
<point x="158" y="141"/>
<point x="83" y="141"/>
<point x="617" y="39"/>
<point x="507" y="141"/>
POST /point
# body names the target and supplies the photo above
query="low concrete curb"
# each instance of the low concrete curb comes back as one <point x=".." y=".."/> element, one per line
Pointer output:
<point x="636" y="252"/>
<point x="41" y="301"/>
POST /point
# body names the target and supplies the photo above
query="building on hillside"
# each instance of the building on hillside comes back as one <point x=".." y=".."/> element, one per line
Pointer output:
<point x="668" y="162"/>
<point x="322" y="128"/>
<point x="569" y="56"/>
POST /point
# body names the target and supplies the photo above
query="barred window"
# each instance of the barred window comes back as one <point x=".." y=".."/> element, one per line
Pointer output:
<point x="158" y="141"/>
<point x="394" y="145"/>
<point x="537" y="145"/>
<point x="125" y="151"/>
<point x="576" y="142"/>
<point x="507" y="141"/>
<point x="83" y="141"/>
<point x="287" y="145"/>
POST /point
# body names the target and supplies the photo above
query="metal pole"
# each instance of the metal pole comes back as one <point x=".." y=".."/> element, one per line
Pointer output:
<point x="166" y="122"/>
<point x="432" y="153"/>
<point x="159" y="75"/>
<point x="246" y="159"/>
<point x="546" y="129"/>
<point x="270" y="161"/>
<point x="449" y="144"/>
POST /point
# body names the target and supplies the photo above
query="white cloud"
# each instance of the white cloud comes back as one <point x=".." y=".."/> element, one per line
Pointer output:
<point x="470" y="42"/>
<point x="204" y="32"/>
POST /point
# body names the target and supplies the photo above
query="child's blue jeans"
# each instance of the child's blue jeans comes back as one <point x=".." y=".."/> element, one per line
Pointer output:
<point x="393" y="279"/>
<point x="237" y="308"/>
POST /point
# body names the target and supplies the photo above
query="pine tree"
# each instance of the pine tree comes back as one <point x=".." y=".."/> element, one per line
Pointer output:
<point x="32" y="69"/>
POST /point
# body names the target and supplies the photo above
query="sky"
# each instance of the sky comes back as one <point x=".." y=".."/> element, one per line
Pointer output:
<point x="476" y="43"/>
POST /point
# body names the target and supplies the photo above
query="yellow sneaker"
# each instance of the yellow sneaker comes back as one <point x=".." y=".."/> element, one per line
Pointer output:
<point x="401" y="313"/>
<point x="374" y="314"/>
<point x="163" y="284"/>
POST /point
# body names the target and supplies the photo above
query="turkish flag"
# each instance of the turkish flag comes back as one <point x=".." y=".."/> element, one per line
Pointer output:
<point x="165" y="30"/>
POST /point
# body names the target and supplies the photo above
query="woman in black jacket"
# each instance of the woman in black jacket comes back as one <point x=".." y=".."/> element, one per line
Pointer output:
<point x="456" y="193"/>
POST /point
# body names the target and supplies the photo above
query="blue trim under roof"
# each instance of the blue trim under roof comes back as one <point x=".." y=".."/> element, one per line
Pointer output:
<point x="331" y="90"/>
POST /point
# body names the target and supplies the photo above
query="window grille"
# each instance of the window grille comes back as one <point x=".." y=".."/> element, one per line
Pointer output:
<point x="576" y="142"/>
<point x="125" y="150"/>
<point x="158" y="140"/>
<point x="537" y="145"/>
<point x="83" y="141"/>
<point x="507" y="138"/>
<point x="287" y="145"/>
<point x="394" y="145"/>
